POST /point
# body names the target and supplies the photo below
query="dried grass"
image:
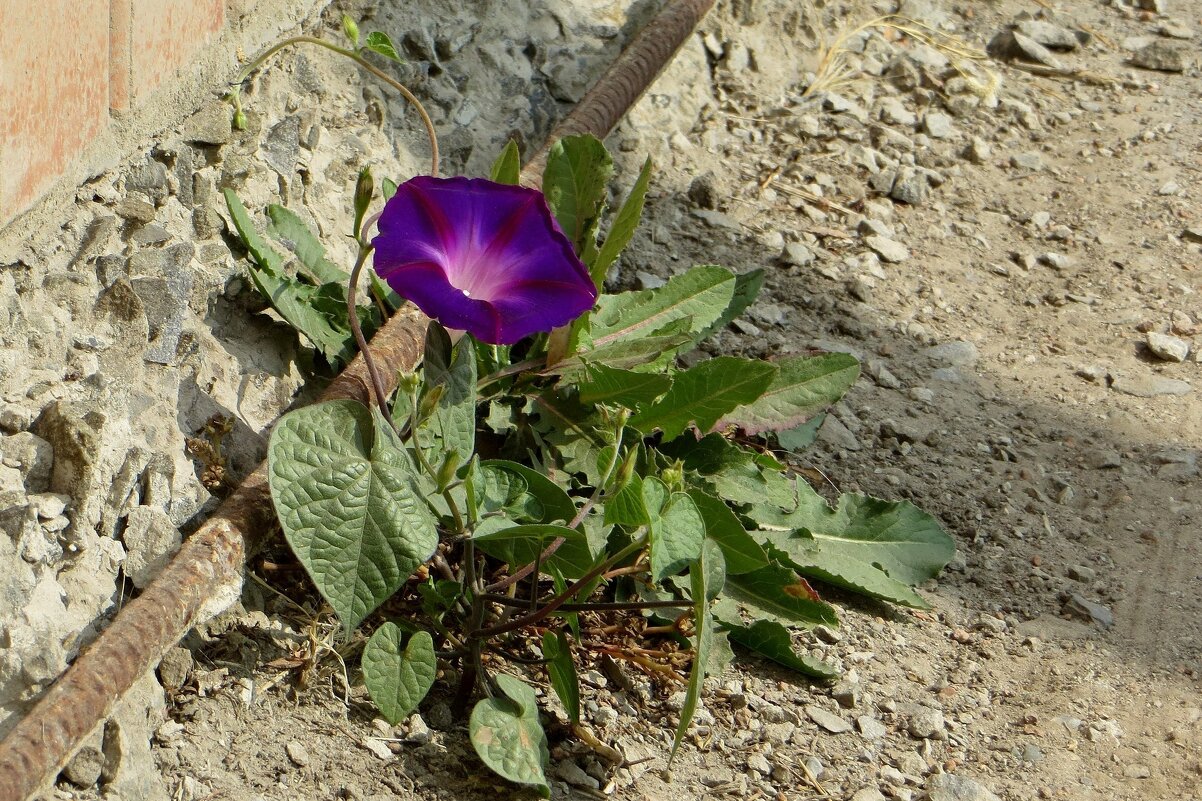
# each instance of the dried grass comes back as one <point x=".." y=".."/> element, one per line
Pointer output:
<point x="836" y="70"/>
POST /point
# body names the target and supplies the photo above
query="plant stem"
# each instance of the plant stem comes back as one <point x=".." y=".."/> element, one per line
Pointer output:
<point x="581" y="513"/>
<point x="353" y="55"/>
<point x="621" y="606"/>
<point x="352" y="311"/>
<point x="559" y="600"/>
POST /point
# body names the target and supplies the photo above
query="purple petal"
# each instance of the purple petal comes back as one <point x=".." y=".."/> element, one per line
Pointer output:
<point x="481" y="256"/>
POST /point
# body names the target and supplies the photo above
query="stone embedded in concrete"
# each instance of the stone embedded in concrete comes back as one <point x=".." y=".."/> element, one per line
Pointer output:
<point x="150" y="541"/>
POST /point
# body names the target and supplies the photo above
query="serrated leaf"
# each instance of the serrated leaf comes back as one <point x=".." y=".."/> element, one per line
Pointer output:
<point x="628" y="388"/>
<point x="561" y="670"/>
<point x="507" y="735"/>
<point x="622" y="354"/>
<point x="747" y="289"/>
<point x="775" y="593"/>
<point x="742" y="553"/>
<point x="804" y="386"/>
<point x="677" y="529"/>
<point x="894" y="536"/>
<point x="521" y="545"/>
<point x="805" y="556"/>
<point x="398" y="680"/>
<point x="556" y="504"/>
<point x="574" y="180"/>
<point x="343" y="491"/>
<point x="702" y="394"/>
<point x="379" y="42"/>
<point x="292" y="231"/>
<point x="770" y="639"/>
<point x="507" y="169"/>
<point x="701" y="295"/>
<point x="704" y="625"/>
<point x="623" y="227"/>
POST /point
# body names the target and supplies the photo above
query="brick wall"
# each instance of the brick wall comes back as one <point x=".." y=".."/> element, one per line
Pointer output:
<point x="67" y="66"/>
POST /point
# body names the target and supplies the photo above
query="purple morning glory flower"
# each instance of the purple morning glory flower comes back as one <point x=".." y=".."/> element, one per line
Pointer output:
<point x="480" y="256"/>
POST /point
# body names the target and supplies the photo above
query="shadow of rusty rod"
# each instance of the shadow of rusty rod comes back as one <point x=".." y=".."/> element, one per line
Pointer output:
<point x="211" y="560"/>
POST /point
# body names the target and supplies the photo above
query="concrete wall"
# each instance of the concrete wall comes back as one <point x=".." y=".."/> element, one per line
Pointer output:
<point x="82" y="81"/>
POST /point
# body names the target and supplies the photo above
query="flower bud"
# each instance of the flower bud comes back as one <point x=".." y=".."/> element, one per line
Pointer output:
<point x="351" y="30"/>
<point x="446" y="471"/>
<point x="365" y="187"/>
<point x="429" y="404"/>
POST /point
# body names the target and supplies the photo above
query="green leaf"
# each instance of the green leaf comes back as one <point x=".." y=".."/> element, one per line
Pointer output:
<point x="804" y="386"/>
<point x="507" y="169"/>
<point x="775" y="593"/>
<point x="578" y="169"/>
<point x="896" y="537"/>
<point x="795" y="440"/>
<point x="623" y="387"/>
<point x="771" y="639"/>
<point x="677" y="529"/>
<point x="701" y="295"/>
<point x="626" y="506"/>
<point x="384" y="293"/>
<point x="742" y="553"/>
<point x="623" y="226"/>
<point x="508" y="737"/>
<point x="622" y="354"/>
<point x="556" y="504"/>
<point x="747" y="289"/>
<point x="398" y="680"/>
<point x="702" y="394"/>
<point x="387" y="188"/>
<point x="292" y="231"/>
<point x="439" y="596"/>
<point x="262" y="253"/>
<point x="561" y="670"/>
<point x="521" y="545"/>
<point x="316" y="312"/>
<point x="379" y="42"/>
<point x="806" y="556"/>
<point x="454" y="422"/>
<point x="343" y="490"/>
<point x="701" y="651"/>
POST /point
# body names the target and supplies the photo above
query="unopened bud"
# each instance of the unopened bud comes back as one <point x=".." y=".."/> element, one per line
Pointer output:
<point x="350" y="29"/>
<point x="429" y="404"/>
<point x="446" y="471"/>
<point x="673" y="476"/>
<point x="365" y="187"/>
<point x="239" y="121"/>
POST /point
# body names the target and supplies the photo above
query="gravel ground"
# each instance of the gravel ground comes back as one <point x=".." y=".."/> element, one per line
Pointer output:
<point x="1011" y="247"/>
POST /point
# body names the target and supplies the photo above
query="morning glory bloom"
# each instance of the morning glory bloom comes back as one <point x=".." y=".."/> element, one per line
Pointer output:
<point x="480" y="256"/>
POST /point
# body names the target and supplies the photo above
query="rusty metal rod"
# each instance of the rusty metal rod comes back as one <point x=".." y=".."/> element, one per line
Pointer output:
<point x="35" y="751"/>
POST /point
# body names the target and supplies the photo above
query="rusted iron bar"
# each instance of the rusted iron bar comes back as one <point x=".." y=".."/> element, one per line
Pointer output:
<point x="35" y="751"/>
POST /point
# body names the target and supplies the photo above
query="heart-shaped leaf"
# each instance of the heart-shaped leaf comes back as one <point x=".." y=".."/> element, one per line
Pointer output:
<point x="398" y="680"/>
<point x="343" y="490"/>
<point x="508" y="737"/>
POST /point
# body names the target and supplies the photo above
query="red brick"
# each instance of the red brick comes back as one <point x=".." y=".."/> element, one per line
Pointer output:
<point x="153" y="39"/>
<point x="53" y="91"/>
